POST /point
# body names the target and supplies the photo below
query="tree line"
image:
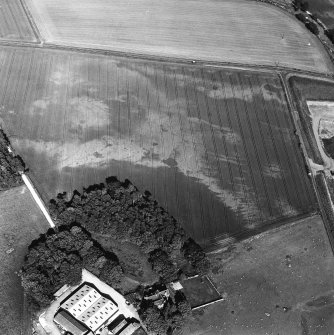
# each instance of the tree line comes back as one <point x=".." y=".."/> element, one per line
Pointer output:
<point x="118" y="209"/>
<point x="10" y="165"/>
<point x="58" y="257"/>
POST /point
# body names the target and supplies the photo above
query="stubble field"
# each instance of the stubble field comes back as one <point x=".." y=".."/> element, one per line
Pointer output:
<point x="14" y="24"/>
<point x="230" y="30"/>
<point x="215" y="147"/>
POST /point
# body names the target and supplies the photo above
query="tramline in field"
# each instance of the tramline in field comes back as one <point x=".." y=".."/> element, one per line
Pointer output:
<point x="215" y="147"/>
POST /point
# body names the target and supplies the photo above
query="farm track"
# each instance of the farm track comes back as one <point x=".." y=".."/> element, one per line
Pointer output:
<point x="31" y="21"/>
<point x="164" y="59"/>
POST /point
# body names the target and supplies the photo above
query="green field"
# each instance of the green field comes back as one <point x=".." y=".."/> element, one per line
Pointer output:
<point x="21" y="221"/>
<point x="215" y="147"/>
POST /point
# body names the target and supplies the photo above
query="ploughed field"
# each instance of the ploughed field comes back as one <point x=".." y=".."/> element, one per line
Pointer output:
<point x="14" y="24"/>
<point x="239" y="31"/>
<point x="215" y="147"/>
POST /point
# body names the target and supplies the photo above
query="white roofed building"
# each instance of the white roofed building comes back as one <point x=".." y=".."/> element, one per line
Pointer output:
<point x="89" y="307"/>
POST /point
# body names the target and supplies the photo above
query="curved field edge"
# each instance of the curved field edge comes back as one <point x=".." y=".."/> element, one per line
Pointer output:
<point x="237" y="31"/>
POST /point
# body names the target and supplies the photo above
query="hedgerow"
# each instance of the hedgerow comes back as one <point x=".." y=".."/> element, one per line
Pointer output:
<point x="10" y="165"/>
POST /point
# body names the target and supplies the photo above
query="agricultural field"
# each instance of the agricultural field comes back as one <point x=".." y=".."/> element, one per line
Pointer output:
<point x="215" y="147"/>
<point x="281" y="282"/>
<point x="21" y="221"/>
<point x="237" y="31"/>
<point x="14" y="24"/>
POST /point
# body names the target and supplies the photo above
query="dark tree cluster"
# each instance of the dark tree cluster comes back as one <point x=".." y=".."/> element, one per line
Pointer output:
<point x="10" y="165"/>
<point x="330" y="34"/>
<point x="302" y="17"/>
<point x="195" y="255"/>
<point x="119" y="210"/>
<point x="168" y="320"/>
<point x="58" y="257"/>
<point x="312" y="27"/>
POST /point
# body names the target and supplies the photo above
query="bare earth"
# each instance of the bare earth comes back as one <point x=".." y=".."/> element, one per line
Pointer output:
<point x="280" y="282"/>
<point x="236" y="31"/>
<point x="321" y="111"/>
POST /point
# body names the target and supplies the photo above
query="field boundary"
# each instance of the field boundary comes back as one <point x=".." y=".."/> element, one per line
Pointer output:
<point x="326" y="206"/>
<point x="166" y="59"/>
<point x="37" y="199"/>
<point x="222" y="242"/>
<point x="179" y="60"/>
<point x="326" y="213"/>
<point x="31" y="21"/>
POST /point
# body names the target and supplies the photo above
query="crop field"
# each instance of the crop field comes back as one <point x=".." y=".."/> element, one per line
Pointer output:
<point x="238" y="31"/>
<point x="21" y="221"/>
<point x="215" y="147"/>
<point x="14" y="24"/>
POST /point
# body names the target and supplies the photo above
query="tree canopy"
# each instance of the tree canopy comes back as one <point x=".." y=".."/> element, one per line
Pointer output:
<point x="10" y="165"/>
<point x="118" y="209"/>
<point x="58" y="257"/>
<point x="170" y="319"/>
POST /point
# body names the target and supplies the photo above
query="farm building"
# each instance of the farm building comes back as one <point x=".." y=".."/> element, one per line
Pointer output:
<point x="70" y="324"/>
<point x="122" y="326"/>
<point x="85" y="310"/>
<point x="129" y="329"/>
